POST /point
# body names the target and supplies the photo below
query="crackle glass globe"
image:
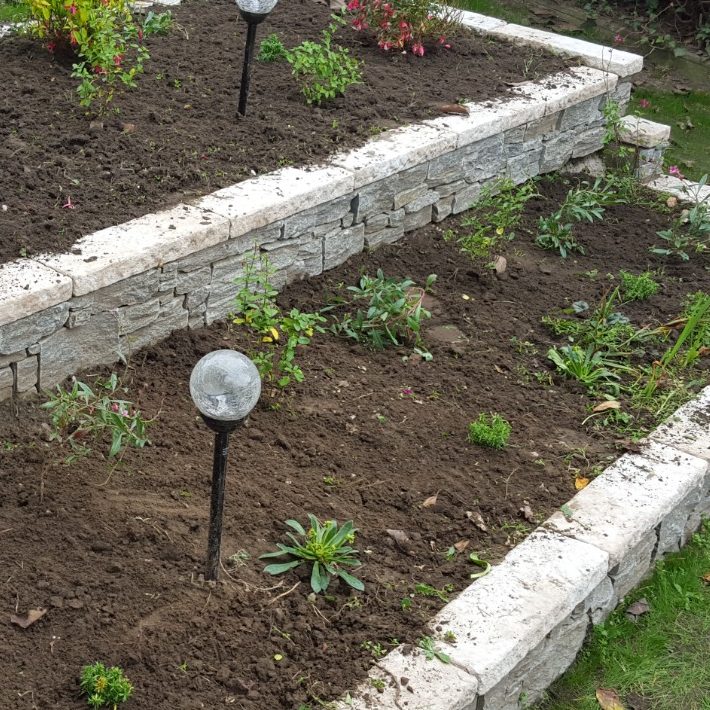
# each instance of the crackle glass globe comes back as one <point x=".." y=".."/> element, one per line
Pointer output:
<point x="225" y="385"/>
<point x="257" y="7"/>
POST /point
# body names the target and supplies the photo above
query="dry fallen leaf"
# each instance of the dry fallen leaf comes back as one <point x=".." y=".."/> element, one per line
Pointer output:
<point x="454" y="108"/>
<point x="461" y="545"/>
<point x="500" y="264"/>
<point x="399" y="536"/>
<point x="477" y="520"/>
<point x="706" y="578"/>
<point x="609" y="699"/>
<point x="527" y="513"/>
<point x="637" y="609"/>
<point x="671" y="202"/>
<point x="581" y="482"/>
<point x="431" y="500"/>
<point x="26" y="620"/>
<point x="609" y="404"/>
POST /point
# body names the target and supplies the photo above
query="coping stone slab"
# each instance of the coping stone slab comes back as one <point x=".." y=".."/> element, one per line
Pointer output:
<point x="395" y="151"/>
<point x="261" y="201"/>
<point x="504" y="615"/>
<point x="28" y="287"/>
<point x="481" y="23"/>
<point x="113" y="254"/>
<point x="685" y="190"/>
<point x="633" y="495"/>
<point x="642" y="132"/>
<point x="593" y="55"/>
<point x="689" y="428"/>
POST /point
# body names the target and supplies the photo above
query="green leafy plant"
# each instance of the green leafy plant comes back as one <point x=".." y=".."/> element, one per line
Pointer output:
<point x="593" y="369"/>
<point x="324" y="70"/>
<point x="271" y="49"/>
<point x="376" y="650"/>
<point x="280" y="334"/>
<point x="101" y="36"/>
<point x="489" y="430"/>
<point x="427" y="590"/>
<point x="426" y="644"/>
<point x="405" y="24"/>
<point x="326" y="546"/>
<point x="583" y="203"/>
<point x="495" y="217"/>
<point x="640" y="287"/>
<point x="105" y="686"/>
<point x="393" y="315"/>
<point x="80" y="415"/>
<point x="689" y="232"/>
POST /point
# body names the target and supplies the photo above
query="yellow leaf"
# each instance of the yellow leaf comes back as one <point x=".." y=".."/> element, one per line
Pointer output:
<point x="609" y="404"/>
<point x="580" y="483"/>
<point x="274" y="333"/>
<point x="609" y="700"/>
<point x="500" y="231"/>
<point x="267" y="339"/>
<point x="278" y="657"/>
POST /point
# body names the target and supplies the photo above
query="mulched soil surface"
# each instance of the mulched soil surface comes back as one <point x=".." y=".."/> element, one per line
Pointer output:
<point x="176" y="136"/>
<point x="117" y="559"/>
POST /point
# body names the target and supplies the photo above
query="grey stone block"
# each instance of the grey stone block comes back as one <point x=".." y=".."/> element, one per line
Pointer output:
<point x="7" y="382"/>
<point x="602" y="601"/>
<point x="6" y="360"/>
<point x="70" y="350"/>
<point x="442" y="209"/>
<point x="172" y="317"/>
<point x="132" y="318"/>
<point x="621" y="95"/>
<point x="196" y="298"/>
<point x="27" y="374"/>
<point x="589" y="141"/>
<point x="24" y="332"/>
<point x="33" y="349"/>
<point x="411" y="178"/>
<point x="484" y="159"/>
<point x="376" y="223"/>
<point x="446" y="168"/>
<point x="128" y="292"/>
<point x="542" y="127"/>
<point x="339" y="246"/>
<point x="634" y="566"/>
<point x="193" y="279"/>
<point x="373" y="199"/>
<point x="396" y="218"/>
<point x="348" y="220"/>
<point x="580" y="115"/>
<point x="305" y="221"/>
<point x="450" y="188"/>
<point x="388" y="235"/>
<point x="327" y="227"/>
<point x="295" y="258"/>
<point x="513" y="149"/>
<point x="410" y="195"/>
<point x="524" y="166"/>
<point x="557" y="151"/>
<point x="415" y="220"/>
<point x="466" y="198"/>
<point x="425" y="200"/>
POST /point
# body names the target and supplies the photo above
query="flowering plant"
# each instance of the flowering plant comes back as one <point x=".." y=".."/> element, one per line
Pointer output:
<point x="405" y="24"/>
<point x="101" y="35"/>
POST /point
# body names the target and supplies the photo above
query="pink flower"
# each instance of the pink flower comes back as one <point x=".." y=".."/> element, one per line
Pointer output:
<point x="69" y="205"/>
<point x="418" y="49"/>
<point x="115" y="407"/>
<point x="51" y="46"/>
<point x="644" y="103"/>
<point x="72" y="9"/>
<point x="117" y="60"/>
<point x="353" y="5"/>
<point x="618" y="38"/>
<point x="407" y="391"/>
<point x="674" y="170"/>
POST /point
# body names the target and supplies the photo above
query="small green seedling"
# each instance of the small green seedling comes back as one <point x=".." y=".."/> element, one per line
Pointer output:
<point x="326" y="546"/>
<point x="638" y="288"/>
<point x="105" y="686"/>
<point x="271" y="49"/>
<point x="426" y="590"/>
<point x="426" y="644"/>
<point x="490" y="430"/>
<point x="406" y="603"/>
<point x="450" y="636"/>
<point x="376" y="650"/>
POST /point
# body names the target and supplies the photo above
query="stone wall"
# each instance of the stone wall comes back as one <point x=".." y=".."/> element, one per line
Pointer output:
<point x="127" y="286"/>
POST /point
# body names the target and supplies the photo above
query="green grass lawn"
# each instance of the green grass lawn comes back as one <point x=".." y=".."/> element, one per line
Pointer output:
<point x="689" y="118"/>
<point x="659" y="662"/>
<point x="12" y="11"/>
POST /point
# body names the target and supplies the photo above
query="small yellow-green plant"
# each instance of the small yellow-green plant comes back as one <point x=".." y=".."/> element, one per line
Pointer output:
<point x="490" y="430"/>
<point x="105" y="686"/>
<point x="326" y="546"/>
<point x="323" y="69"/>
<point x="426" y="644"/>
<point x="638" y="288"/>
<point x="271" y="49"/>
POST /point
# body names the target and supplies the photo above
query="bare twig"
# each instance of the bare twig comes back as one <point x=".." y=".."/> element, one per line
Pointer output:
<point x="283" y="594"/>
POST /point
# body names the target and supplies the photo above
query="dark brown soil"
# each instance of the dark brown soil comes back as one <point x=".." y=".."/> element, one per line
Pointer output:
<point x="368" y="436"/>
<point x="177" y="136"/>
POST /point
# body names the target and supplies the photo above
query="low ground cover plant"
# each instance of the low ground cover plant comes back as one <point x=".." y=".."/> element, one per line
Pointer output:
<point x="105" y="687"/>
<point x="638" y="287"/>
<point x="81" y="415"/>
<point x="490" y="430"/>
<point x="103" y="38"/>
<point x="326" y="546"/>
<point x="392" y="312"/>
<point x="271" y="49"/>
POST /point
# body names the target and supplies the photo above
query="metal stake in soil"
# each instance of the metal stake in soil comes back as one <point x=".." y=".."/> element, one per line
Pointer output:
<point x="254" y="12"/>
<point x="225" y="385"/>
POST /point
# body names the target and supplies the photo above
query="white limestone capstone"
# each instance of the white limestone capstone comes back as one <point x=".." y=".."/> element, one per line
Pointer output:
<point x="642" y="132"/>
<point x="503" y="616"/>
<point x="619" y="508"/>
<point x="413" y="682"/>
<point x="27" y="287"/>
<point x="593" y="55"/>
<point x="102" y="258"/>
<point x="395" y="151"/>
<point x="258" y="202"/>
<point x="685" y="190"/>
<point x="480" y="23"/>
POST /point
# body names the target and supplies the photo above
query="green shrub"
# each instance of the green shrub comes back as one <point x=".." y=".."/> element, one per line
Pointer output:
<point x="489" y="430"/>
<point x="638" y="288"/>
<point x="271" y="49"/>
<point x="105" y="686"/>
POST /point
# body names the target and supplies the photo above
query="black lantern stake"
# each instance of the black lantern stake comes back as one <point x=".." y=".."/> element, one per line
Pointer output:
<point x="225" y="385"/>
<point x="253" y="12"/>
